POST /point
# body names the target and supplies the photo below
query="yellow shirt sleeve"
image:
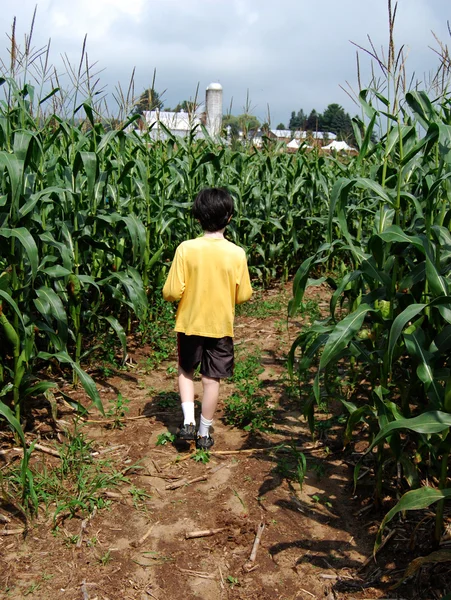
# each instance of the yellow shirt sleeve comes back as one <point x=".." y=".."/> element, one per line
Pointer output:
<point x="243" y="285"/>
<point x="175" y="283"/>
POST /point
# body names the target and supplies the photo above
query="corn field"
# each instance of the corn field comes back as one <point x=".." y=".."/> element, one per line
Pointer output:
<point x="90" y="217"/>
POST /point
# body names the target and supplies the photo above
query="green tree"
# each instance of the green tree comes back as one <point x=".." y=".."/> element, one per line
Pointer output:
<point x="313" y="121"/>
<point x="280" y="127"/>
<point x="245" y="123"/>
<point x="150" y="99"/>
<point x="186" y="105"/>
<point x="336" y="120"/>
<point x="297" y="120"/>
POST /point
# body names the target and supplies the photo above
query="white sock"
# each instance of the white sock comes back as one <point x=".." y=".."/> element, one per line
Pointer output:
<point x="188" y="413"/>
<point x="204" y="426"/>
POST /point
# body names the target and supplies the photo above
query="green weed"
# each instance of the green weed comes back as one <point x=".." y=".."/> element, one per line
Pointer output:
<point x="232" y="581"/>
<point x="248" y="407"/>
<point x="292" y="465"/>
<point x="105" y="558"/>
<point x="76" y="484"/>
<point x="202" y="456"/>
<point x="164" y="438"/>
<point x="139" y="497"/>
<point x="118" y="411"/>
<point x="167" y="400"/>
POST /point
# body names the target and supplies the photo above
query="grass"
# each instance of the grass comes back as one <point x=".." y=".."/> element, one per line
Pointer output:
<point x="74" y="485"/>
<point x="118" y="411"/>
<point x="263" y="309"/>
<point x="248" y="408"/>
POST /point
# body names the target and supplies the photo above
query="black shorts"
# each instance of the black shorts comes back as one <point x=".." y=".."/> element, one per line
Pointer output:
<point x="215" y="355"/>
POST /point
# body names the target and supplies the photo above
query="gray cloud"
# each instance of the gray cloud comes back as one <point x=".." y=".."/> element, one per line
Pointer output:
<point x="289" y="54"/>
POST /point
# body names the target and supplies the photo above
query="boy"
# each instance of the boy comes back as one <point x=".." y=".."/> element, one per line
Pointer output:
<point x="209" y="276"/>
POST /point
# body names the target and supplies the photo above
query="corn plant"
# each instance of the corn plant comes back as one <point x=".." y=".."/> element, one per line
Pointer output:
<point x="390" y="313"/>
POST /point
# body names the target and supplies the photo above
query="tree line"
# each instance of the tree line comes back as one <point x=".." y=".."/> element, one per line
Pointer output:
<point x="333" y="120"/>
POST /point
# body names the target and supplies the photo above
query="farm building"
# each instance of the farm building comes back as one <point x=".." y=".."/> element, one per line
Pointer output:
<point x="181" y="123"/>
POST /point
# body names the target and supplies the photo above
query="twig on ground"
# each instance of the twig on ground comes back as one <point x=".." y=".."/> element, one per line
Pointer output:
<point x="12" y="531"/>
<point x="110" y="449"/>
<point x="197" y="573"/>
<point x="307" y="592"/>
<point x="157" y="467"/>
<point x="179" y="459"/>
<point x="84" y="524"/>
<point x="203" y="533"/>
<point x="84" y="591"/>
<point x="113" y="495"/>
<point x="182" y="482"/>
<point x="143" y="538"/>
<point x="4" y="518"/>
<point x="146" y="416"/>
<point x="250" y="563"/>
<point x="222" y="578"/>
<point x="41" y="448"/>
<point x="218" y="468"/>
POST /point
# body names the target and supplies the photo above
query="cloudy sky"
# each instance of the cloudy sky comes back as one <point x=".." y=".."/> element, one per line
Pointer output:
<point x="285" y="54"/>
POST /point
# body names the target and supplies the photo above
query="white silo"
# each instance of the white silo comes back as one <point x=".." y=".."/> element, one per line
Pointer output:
<point x="213" y="104"/>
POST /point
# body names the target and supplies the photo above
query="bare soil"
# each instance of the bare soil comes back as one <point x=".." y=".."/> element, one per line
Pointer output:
<point x="315" y="540"/>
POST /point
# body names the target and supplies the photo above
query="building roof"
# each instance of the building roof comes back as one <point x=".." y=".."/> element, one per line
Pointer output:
<point x="338" y="146"/>
<point x="175" y="121"/>
<point x="302" y="135"/>
<point x="214" y="86"/>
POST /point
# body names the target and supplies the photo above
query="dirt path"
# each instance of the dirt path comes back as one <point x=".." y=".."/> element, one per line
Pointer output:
<point x="313" y="542"/>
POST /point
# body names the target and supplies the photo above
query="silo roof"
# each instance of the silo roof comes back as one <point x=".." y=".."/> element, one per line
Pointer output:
<point x="214" y="86"/>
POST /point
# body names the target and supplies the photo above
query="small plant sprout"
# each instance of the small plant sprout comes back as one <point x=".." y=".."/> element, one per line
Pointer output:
<point x="164" y="438"/>
<point x="118" y="411"/>
<point x="202" y="456"/>
<point x="232" y="581"/>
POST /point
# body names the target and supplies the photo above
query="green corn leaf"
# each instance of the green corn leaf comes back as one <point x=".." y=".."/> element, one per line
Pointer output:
<point x="7" y="413"/>
<point x="342" y="333"/>
<point x="38" y="388"/>
<point x="427" y="423"/>
<point x="413" y="500"/>
<point x="355" y="417"/>
<point x="15" y="168"/>
<point x="299" y="285"/>
<point x="52" y="307"/>
<point x="137" y="233"/>
<point x="56" y="272"/>
<point x="415" y="346"/>
<point x="369" y="267"/>
<point x="13" y="305"/>
<point x="86" y="381"/>
<point x="347" y="280"/>
<point x="396" y="329"/>
<point x="437" y="283"/>
<point x="28" y="243"/>
<point x="422" y="107"/>
<point x="396" y="234"/>
<point x="120" y="332"/>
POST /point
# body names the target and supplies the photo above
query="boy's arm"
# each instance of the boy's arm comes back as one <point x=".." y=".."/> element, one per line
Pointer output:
<point x="175" y="283"/>
<point x="243" y="286"/>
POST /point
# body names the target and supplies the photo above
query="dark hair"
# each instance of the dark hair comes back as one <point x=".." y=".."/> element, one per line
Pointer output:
<point x="213" y="207"/>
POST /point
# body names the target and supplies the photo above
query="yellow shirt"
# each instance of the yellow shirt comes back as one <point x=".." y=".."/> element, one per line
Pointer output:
<point x="209" y="276"/>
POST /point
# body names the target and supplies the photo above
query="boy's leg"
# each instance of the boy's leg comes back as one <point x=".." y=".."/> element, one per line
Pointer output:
<point x="210" y="386"/>
<point x="186" y="389"/>
<point x="189" y="354"/>
<point x="210" y="398"/>
<point x="217" y="362"/>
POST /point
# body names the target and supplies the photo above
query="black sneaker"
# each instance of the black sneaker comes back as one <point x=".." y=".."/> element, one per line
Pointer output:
<point x="204" y="443"/>
<point x="187" y="431"/>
